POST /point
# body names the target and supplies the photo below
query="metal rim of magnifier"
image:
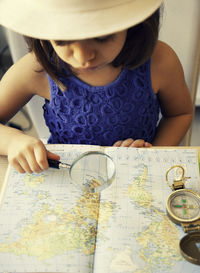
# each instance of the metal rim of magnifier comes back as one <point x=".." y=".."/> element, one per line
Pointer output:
<point x="86" y="154"/>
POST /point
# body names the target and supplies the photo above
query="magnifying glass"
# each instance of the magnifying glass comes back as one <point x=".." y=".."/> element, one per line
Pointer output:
<point x="92" y="171"/>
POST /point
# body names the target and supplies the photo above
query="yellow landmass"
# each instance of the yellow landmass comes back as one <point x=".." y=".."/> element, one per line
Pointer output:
<point x="106" y="212"/>
<point x="136" y="190"/>
<point x="55" y="231"/>
<point x="159" y="243"/>
<point x="42" y="196"/>
<point x="32" y="181"/>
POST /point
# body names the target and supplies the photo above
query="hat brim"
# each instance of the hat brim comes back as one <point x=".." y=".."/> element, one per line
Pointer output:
<point x="27" y="19"/>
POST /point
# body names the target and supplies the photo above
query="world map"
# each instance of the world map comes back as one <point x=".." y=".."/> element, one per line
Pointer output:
<point x="48" y="225"/>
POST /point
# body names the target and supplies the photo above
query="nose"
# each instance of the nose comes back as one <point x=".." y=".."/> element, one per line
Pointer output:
<point x="83" y="52"/>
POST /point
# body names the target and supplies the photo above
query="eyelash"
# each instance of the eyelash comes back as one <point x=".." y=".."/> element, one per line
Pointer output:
<point x="99" y="40"/>
<point x="104" y="39"/>
<point x="62" y="43"/>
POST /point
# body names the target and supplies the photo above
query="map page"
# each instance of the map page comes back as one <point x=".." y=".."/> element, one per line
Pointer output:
<point x="47" y="224"/>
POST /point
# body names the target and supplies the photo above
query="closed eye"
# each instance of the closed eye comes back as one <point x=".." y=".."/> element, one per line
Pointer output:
<point x="62" y="43"/>
<point x="104" y="39"/>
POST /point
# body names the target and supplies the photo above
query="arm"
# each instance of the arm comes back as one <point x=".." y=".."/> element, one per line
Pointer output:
<point x="176" y="105"/>
<point x="17" y="87"/>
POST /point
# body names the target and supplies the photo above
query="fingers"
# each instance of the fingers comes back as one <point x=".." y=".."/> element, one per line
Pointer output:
<point x="40" y="158"/>
<point x="124" y="143"/>
<point x="28" y="154"/>
<point x="22" y="164"/>
<point x="148" y="145"/>
<point x="34" y="162"/>
<point x="118" y="143"/>
<point x="139" y="143"/>
<point x="53" y="156"/>
<point x="18" y="166"/>
<point x="29" y="164"/>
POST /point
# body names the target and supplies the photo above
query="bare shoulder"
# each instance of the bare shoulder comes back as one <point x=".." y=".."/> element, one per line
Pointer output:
<point x="164" y="55"/>
<point x="168" y="81"/>
<point x="166" y="66"/>
<point x="28" y="76"/>
<point x="20" y="83"/>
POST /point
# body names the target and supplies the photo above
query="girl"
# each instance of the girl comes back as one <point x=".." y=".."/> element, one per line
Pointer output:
<point x="103" y="73"/>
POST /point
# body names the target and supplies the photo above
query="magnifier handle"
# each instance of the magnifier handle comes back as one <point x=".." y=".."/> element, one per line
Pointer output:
<point x="58" y="164"/>
<point x="54" y="163"/>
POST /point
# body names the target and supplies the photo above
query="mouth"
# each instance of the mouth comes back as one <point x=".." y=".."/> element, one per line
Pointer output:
<point x="90" y="68"/>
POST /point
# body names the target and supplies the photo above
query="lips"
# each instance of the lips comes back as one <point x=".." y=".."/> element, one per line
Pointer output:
<point x="87" y="68"/>
<point x="94" y="67"/>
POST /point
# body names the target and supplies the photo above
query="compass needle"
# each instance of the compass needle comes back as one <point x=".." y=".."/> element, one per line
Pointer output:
<point x="177" y="206"/>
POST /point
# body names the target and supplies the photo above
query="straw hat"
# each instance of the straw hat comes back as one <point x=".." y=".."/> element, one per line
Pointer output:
<point x="73" y="19"/>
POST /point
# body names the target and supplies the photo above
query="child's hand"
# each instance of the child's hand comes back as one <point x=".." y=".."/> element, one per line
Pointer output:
<point x="28" y="154"/>
<point x="139" y="143"/>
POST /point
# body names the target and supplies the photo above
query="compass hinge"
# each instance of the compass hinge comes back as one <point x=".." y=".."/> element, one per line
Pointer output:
<point x="178" y="184"/>
<point x="188" y="227"/>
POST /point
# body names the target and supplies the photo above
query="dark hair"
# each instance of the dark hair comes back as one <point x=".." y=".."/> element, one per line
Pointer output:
<point x="139" y="45"/>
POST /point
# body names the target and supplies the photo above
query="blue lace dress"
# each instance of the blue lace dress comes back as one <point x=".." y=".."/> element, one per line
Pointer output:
<point x="102" y="115"/>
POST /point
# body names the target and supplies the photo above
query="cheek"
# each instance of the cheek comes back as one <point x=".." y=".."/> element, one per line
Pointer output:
<point x="121" y="42"/>
<point x="63" y="53"/>
<point x="117" y="46"/>
<point x="114" y="51"/>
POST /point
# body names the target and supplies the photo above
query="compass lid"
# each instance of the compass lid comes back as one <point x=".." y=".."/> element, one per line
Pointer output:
<point x="190" y="247"/>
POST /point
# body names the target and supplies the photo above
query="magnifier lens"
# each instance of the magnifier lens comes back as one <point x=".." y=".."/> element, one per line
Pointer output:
<point x="93" y="171"/>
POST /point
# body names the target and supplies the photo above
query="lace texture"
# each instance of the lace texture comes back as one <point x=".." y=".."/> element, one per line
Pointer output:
<point x="102" y="115"/>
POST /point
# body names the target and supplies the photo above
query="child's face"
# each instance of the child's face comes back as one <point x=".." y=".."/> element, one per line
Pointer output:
<point x="91" y="54"/>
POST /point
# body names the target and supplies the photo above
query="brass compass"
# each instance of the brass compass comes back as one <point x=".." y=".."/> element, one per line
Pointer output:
<point x="183" y="208"/>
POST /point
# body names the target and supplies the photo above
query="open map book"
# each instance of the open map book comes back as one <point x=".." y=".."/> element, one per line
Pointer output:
<point x="48" y="225"/>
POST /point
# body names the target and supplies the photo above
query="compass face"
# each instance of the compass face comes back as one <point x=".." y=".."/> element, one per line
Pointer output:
<point x="184" y="206"/>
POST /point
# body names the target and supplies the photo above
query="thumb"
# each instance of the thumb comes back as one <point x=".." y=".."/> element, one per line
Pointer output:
<point x="147" y="144"/>
<point x="53" y="156"/>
